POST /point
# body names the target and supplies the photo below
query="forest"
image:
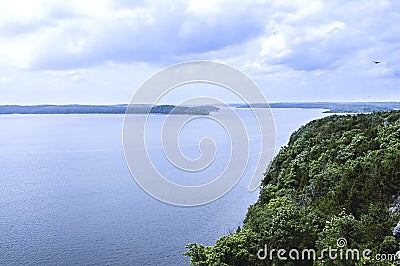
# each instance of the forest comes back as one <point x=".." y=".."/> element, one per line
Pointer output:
<point x="107" y="109"/>
<point x="332" y="107"/>
<point x="337" y="178"/>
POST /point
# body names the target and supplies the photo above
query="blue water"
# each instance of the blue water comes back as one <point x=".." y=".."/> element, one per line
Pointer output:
<point x="67" y="197"/>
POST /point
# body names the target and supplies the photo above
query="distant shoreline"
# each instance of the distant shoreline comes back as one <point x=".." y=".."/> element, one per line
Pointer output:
<point x="106" y="109"/>
<point x="331" y="107"/>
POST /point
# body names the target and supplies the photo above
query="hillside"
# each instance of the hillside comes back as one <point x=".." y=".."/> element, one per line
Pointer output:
<point x="333" y="107"/>
<point x="107" y="109"/>
<point x="338" y="177"/>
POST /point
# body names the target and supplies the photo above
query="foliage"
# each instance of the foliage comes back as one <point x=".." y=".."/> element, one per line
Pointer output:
<point x="337" y="178"/>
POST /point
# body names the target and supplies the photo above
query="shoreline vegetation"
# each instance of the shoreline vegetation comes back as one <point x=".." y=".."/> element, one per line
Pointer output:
<point x="107" y="109"/>
<point x="337" y="178"/>
<point x="330" y="107"/>
<point x="333" y="107"/>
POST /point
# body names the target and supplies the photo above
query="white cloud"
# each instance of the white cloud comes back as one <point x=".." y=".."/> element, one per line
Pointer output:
<point x="81" y="34"/>
<point x="310" y="41"/>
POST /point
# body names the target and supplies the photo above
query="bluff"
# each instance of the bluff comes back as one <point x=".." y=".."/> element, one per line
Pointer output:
<point x="338" y="178"/>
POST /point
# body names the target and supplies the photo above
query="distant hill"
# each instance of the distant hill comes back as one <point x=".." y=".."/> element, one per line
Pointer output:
<point x="333" y="107"/>
<point x="107" y="109"/>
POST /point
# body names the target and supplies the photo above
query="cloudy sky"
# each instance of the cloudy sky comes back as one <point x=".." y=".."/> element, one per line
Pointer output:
<point x="99" y="52"/>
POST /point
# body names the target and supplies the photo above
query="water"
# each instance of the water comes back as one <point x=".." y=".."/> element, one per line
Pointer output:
<point x="67" y="197"/>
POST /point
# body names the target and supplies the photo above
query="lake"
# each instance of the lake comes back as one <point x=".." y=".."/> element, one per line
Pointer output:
<point x="67" y="196"/>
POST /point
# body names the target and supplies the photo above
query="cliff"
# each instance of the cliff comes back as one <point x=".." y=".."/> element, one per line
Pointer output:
<point x="337" y="179"/>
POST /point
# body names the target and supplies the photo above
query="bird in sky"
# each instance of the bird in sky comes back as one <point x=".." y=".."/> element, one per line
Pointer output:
<point x="376" y="62"/>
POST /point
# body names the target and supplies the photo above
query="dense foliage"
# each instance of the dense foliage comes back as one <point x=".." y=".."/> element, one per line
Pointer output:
<point x="338" y="177"/>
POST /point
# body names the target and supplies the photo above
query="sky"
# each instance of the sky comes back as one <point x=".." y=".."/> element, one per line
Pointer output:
<point x="100" y="52"/>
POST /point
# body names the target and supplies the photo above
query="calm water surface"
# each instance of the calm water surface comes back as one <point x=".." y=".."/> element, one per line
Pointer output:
<point x="67" y="197"/>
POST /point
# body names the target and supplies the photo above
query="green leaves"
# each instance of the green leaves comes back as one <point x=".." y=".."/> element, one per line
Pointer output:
<point x="337" y="178"/>
<point x="235" y="249"/>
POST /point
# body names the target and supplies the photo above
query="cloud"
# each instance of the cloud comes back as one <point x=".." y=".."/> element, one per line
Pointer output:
<point x="301" y="35"/>
<point x="75" y="35"/>
<point x="322" y="35"/>
<point x="310" y="45"/>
